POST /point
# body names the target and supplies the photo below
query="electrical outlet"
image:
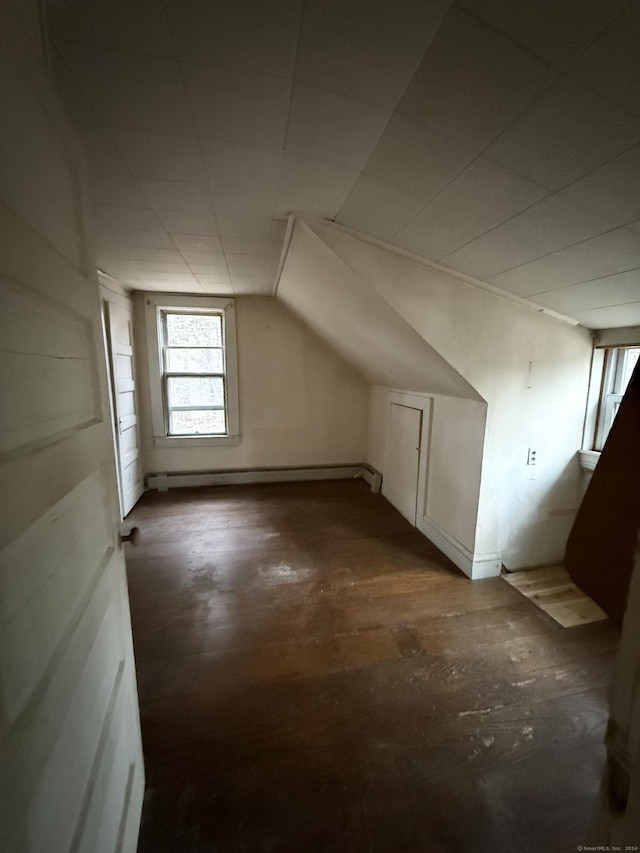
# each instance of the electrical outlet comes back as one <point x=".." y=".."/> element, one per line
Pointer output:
<point x="532" y="456"/>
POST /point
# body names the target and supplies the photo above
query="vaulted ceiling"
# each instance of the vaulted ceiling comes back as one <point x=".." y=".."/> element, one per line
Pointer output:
<point x="498" y="138"/>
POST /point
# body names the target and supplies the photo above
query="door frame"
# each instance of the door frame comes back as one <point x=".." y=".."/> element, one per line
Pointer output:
<point x="109" y="295"/>
<point x="425" y="404"/>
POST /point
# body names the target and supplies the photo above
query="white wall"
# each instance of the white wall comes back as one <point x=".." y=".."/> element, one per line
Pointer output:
<point x="450" y="470"/>
<point x="300" y="403"/>
<point x="323" y="288"/>
<point x="531" y="369"/>
<point x="71" y="774"/>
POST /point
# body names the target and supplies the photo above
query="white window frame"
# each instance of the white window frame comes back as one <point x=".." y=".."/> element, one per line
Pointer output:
<point x="155" y="306"/>
<point x="610" y="398"/>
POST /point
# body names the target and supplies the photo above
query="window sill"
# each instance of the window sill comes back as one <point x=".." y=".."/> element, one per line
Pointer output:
<point x="196" y="441"/>
<point x="588" y="459"/>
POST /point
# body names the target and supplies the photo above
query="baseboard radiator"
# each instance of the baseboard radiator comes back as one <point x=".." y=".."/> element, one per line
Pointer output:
<point x="179" y="480"/>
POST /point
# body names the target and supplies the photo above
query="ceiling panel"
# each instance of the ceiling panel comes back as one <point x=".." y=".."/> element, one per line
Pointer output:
<point x="128" y="89"/>
<point x="238" y="106"/>
<point x="177" y="195"/>
<point x="601" y="292"/>
<point x="159" y="285"/>
<point x="216" y="288"/>
<point x="230" y="164"/>
<point x="248" y="36"/>
<point x="131" y="237"/>
<point x="197" y="224"/>
<point x="213" y="279"/>
<point x="483" y="195"/>
<point x="416" y="159"/>
<point x="367" y="51"/>
<point x="500" y="139"/>
<point x="244" y="201"/>
<point x="246" y="227"/>
<point x="566" y="133"/>
<point x="472" y="82"/>
<point x="556" y="31"/>
<point x="490" y="254"/>
<point x="377" y="208"/>
<point x="135" y="218"/>
<point x="239" y="262"/>
<point x="142" y="268"/>
<point x="169" y="156"/>
<point x="141" y="253"/>
<point x="197" y="243"/>
<point x="308" y="184"/>
<point x="203" y="258"/>
<point x="615" y="251"/>
<point x="218" y="270"/>
<point x="110" y="190"/>
<point x="103" y="158"/>
<point x="332" y="127"/>
<point x="553" y="223"/>
<point x="612" y="189"/>
<point x="606" y="318"/>
<point x="248" y="284"/>
<point x="611" y="64"/>
<point x="77" y="106"/>
<point x="239" y="245"/>
<point x="139" y="27"/>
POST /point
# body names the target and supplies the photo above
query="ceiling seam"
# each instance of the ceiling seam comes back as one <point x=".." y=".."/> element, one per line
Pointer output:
<point x="559" y="73"/>
<point x="202" y="157"/>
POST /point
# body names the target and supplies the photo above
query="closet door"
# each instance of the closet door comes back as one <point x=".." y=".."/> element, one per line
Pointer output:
<point x="400" y="481"/>
<point x="119" y="329"/>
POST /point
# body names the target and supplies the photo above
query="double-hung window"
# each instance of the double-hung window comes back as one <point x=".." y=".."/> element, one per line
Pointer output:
<point x="619" y="364"/>
<point x="192" y="367"/>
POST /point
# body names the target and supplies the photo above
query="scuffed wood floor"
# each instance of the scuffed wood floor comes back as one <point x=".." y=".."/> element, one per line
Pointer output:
<point x="314" y="675"/>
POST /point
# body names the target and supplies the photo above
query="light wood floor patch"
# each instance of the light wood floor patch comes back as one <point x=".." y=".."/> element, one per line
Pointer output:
<point x="553" y="591"/>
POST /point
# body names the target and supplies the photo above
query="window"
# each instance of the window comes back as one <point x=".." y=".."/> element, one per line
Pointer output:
<point x="619" y="364"/>
<point x="192" y="369"/>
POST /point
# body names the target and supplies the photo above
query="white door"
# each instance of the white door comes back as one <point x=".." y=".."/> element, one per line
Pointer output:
<point x="119" y="332"/>
<point x="400" y="481"/>
<point x="71" y="772"/>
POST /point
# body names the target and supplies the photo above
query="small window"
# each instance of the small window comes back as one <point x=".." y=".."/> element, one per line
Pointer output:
<point x="194" y="374"/>
<point x="618" y="367"/>
<point x="192" y="369"/>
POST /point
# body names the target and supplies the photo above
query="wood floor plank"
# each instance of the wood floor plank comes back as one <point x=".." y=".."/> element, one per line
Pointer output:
<point x="314" y="675"/>
<point x="553" y="591"/>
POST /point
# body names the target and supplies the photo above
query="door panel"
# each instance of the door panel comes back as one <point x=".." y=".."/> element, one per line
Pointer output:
<point x="119" y="323"/>
<point x="400" y="481"/>
<point x="68" y="704"/>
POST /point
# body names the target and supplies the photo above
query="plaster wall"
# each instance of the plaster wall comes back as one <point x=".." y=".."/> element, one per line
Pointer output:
<point x="531" y="369"/>
<point x="300" y="403"/>
<point x="451" y="454"/>
<point x="72" y="775"/>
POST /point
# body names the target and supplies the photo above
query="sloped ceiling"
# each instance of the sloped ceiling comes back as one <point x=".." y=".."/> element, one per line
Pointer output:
<point x="346" y="312"/>
<point x="500" y="139"/>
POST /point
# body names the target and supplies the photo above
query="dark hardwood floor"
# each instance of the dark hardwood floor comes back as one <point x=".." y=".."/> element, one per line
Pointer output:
<point x="314" y="675"/>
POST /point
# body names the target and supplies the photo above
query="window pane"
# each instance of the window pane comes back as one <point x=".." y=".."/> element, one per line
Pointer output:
<point x="195" y="391"/>
<point x="194" y="360"/>
<point x="630" y="361"/>
<point x="194" y="330"/>
<point x="197" y="423"/>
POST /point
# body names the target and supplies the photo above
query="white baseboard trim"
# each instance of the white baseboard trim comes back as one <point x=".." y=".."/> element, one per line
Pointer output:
<point x="162" y="481"/>
<point x="475" y="566"/>
<point x="372" y="477"/>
